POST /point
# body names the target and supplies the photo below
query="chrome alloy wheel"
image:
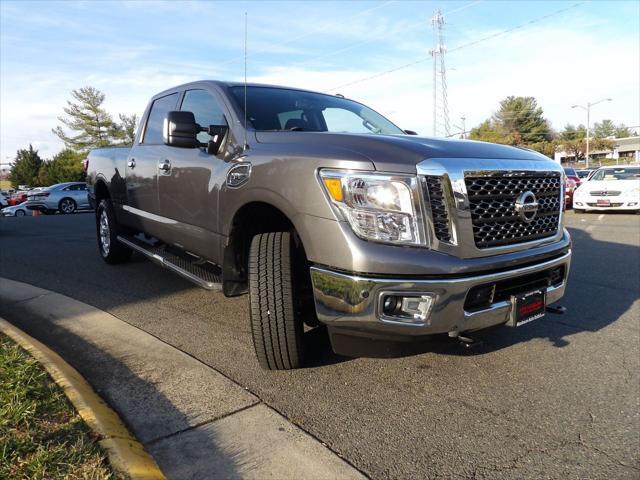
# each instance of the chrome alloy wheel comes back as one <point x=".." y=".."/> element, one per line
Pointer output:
<point x="105" y="233"/>
<point x="67" y="206"/>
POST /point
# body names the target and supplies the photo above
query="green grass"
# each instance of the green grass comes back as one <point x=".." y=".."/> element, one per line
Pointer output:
<point x="41" y="434"/>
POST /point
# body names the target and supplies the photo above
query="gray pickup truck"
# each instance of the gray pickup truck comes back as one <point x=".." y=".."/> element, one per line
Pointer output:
<point x="326" y="213"/>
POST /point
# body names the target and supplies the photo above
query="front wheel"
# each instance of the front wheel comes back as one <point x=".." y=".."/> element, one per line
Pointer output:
<point x="276" y="331"/>
<point x="19" y="213"/>
<point x="578" y="210"/>
<point x="111" y="250"/>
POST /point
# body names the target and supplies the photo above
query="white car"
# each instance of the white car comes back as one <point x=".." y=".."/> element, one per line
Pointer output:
<point x="610" y="188"/>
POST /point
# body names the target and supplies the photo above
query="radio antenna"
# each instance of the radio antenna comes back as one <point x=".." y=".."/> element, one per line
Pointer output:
<point x="245" y="83"/>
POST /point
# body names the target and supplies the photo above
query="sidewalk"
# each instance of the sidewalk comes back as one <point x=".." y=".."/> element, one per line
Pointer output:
<point x="193" y="420"/>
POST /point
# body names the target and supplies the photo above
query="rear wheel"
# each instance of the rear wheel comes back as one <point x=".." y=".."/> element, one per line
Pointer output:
<point x="111" y="250"/>
<point x="67" y="205"/>
<point x="19" y="213"/>
<point x="275" y="328"/>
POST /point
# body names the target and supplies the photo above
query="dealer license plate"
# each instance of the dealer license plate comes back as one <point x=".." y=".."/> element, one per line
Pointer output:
<point x="603" y="203"/>
<point x="528" y="307"/>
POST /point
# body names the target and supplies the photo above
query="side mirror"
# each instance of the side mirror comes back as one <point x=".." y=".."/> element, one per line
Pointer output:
<point x="410" y="132"/>
<point x="181" y="130"/>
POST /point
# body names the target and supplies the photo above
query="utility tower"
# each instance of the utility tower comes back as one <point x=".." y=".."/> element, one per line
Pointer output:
<point x="439" y="70"/>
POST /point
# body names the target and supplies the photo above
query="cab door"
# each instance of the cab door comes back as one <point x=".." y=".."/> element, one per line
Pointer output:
<point x="190" y="184"/>
<point x="143" y="166"/>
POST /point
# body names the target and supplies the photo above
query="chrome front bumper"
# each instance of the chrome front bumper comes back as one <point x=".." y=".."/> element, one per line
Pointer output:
<point x="353" y="303"/>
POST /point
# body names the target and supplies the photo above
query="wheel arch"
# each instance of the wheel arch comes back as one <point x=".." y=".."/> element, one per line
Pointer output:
<point x="249" y="220"/>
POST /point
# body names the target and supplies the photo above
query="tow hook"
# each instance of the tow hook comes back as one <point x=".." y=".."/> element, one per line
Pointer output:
<point x="556" y="310"/>
<point x="466" y="341"/>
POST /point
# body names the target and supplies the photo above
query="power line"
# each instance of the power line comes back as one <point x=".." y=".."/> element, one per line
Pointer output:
<point x="411" y="26"/>
<point x="460" y="47"/>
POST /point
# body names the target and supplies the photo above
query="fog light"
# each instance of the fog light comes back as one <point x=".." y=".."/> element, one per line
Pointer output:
<point x="633" y="204"/>
<point x="578" y="203"/>
<point x="418" y="307"/>
<point x="407" y="308"/>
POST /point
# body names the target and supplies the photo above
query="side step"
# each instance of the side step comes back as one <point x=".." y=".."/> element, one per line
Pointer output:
<point x="194" y="269"/>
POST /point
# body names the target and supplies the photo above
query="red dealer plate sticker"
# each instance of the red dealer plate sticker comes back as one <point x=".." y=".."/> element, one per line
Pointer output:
<point x="604" y="203"/>
<point x="528" y="307"/>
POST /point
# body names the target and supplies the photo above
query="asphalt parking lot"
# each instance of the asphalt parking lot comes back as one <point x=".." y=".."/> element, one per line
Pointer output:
<point x="557" y="398"/>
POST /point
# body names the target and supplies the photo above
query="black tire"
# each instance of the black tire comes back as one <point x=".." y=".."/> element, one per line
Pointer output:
<point x="111" y="250"/>
<point x="67" y="206"/>
<point x="276" y="331"/>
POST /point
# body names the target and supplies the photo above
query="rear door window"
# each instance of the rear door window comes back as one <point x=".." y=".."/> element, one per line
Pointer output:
<point x="159" y="109"/>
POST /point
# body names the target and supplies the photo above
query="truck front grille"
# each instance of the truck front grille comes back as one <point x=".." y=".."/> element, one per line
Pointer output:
<point x="492" y="199"/>
<point x="436" y="202"/>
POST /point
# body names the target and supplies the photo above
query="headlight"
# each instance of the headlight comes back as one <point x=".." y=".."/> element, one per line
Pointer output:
<point x="379" y="207"/>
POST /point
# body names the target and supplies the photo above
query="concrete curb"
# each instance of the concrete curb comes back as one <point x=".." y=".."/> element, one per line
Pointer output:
<point x="125" y="453"/>
<point x="196" y="422"/>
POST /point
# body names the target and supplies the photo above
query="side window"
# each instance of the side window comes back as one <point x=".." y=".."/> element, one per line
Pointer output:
<point x="341" y="120"/>
<point x="205" y="108"/>
<point x="159" y="110"/>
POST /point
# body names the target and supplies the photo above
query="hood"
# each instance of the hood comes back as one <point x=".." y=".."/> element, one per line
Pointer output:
<point x="610" y="185"/>
<point x="401" y="153"/>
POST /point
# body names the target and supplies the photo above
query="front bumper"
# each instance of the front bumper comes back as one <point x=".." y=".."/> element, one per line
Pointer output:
<point x="354" y="303"/>
<point x="615" y="203"/>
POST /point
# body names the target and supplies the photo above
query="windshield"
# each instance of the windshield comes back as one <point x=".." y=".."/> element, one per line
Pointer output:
<point x="281" y="109"/>
<point x="632" y="173"/>
<point x="570" y="171"/>
<point x="582" y="173"/>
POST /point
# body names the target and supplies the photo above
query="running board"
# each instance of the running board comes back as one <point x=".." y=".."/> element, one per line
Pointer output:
<point x="203" y="274"/>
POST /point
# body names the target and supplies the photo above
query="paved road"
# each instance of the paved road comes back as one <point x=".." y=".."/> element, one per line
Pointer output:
<point x="558" y="398"/>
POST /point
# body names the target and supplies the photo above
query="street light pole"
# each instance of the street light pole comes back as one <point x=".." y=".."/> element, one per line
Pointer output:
<point x="587" y="108"/>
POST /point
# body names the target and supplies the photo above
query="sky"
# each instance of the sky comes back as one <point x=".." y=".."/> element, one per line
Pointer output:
<point x="561" y="53"/>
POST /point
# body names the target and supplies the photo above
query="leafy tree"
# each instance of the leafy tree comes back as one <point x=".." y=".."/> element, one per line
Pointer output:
<point x="125" y="132"/>
<point x="604" y="129"/>
<point x="623" y="131"/>
<point x="26" y="167"/>
<point x="488" y="131"/>
<point x="66" y="166"/>
<point x="91" y="125"/>
<point x="573" y="133"/>
<point x="523" y="120"/>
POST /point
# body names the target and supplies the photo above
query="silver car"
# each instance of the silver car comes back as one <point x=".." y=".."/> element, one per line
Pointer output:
<point x="63" y="197"/>
<point x="16" y="211"/>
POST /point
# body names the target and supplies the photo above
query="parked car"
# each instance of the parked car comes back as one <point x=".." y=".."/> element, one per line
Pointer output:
<point x="4" y="200"/>
<point x="573" y="175"/>
<point x="569" y="188"/>
<point x="63" y="197"/>
<point x="610" y="188"/>
<point x="584" y="174"/>
<point x="16" y="211"/>
<point x="325" y="212"/>
<point x="17" y="198"/>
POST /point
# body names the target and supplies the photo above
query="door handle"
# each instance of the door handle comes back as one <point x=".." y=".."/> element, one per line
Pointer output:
<point x="132" y="163"/>
<point x="165" y="166"/>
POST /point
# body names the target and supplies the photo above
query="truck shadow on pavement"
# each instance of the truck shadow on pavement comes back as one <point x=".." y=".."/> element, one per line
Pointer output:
<point x="604" y="282"/>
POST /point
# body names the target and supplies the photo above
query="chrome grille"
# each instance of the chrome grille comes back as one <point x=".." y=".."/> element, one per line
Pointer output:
<point x="492" y="200"/>
<point x="604" y="193"/>
<point x="436" y="202"/>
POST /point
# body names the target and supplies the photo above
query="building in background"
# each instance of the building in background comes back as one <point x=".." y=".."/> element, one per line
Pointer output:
<point x="625" y="150"/>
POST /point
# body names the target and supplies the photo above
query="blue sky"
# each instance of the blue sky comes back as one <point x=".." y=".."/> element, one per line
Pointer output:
<point x="131" y="50"/>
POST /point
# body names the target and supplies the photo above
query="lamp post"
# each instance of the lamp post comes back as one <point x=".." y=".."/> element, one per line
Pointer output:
<point x="587" y="109"/>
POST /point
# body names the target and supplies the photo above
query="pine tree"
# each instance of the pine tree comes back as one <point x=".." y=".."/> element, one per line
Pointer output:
<point x="522" y="119"/>
<point x="25" y="168"/>
<point x="90" y="124"/>
<point x="125" y="131"/>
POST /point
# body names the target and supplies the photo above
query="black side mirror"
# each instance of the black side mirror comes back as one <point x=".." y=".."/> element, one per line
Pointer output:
<point x="410" y="132"/>
<point x="181" y="130"/>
